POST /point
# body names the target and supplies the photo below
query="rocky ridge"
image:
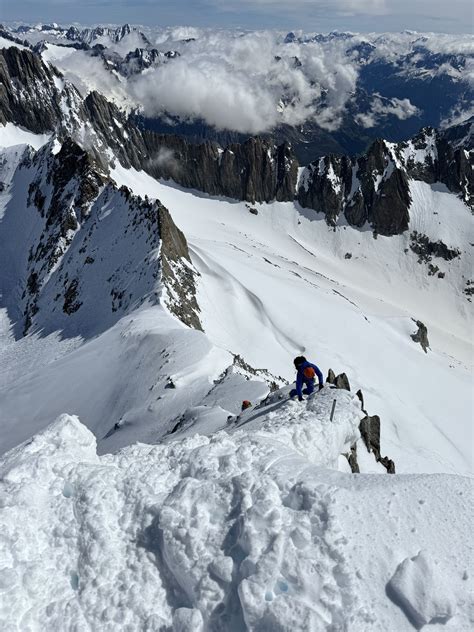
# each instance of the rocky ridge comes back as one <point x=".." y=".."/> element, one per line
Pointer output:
<point x="89" y="252"/>
<point x="373" y="188"/>
<point x="369" y="428"/>
<point x="256" y="170"/>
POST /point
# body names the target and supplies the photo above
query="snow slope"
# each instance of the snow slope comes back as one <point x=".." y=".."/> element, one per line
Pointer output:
<point x="12" y="135"/>
<point x="142" y="374"/>
<point x="128" y="378"/>
<point x="242" y="530"/>
<point x="271" y="286"/>
<point x="277" y="284"/>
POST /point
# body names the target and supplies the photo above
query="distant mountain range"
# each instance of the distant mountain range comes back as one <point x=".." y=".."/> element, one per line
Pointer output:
<point x="384" y="85"/>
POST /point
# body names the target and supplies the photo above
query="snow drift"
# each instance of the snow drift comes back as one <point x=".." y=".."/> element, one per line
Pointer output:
<point x="242" y="530"/>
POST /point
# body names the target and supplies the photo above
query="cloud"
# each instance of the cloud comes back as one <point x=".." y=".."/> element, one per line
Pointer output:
<point x="250" y="82"/>
<point x="381" y="108"/>
<point x="165" y="159"/>
<point x="458" y="115"/>
<point x="88" y="73"/>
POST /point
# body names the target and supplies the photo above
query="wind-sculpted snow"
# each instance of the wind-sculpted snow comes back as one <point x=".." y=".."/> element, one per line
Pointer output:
<point x="241" y="530"/>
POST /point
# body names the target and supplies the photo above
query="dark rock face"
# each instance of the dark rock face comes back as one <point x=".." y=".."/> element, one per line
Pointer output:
<point x="340" y="381"/>
<point x="374" y="188"/>
<point x="324" y="186"/>
<point x="90" y="252"/>
<point x="451" y="163"/>
<point x="352" y="459"/>
<point x="421" y="335"/>
<point x="370" y="431"/>
<point x="369" y="428"/>
<point x="254" y="171"/>
<point x="28" y="95"/>
<point x="177" y="272"/>
<point x="389" y="214"/>
<point x="427" y="249"/>
<point x="371" y="189"/>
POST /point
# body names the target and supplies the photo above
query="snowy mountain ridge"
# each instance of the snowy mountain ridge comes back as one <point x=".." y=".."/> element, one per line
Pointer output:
<point x="237" y="531"/>
<point x="374" y="188"/>
<point x="73" y="245"/>
<point x="256" y="170"/>
<point x="70" y="216"/>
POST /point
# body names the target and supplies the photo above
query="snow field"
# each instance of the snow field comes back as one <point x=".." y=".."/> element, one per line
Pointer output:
<point x="125" y="377"/>
<point x="272" y="286"/>
<point x="11" y="135"/>
<point x="246" y="530"/>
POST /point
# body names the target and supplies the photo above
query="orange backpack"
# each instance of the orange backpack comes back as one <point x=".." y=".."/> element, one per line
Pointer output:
<point x="309" y="373"/>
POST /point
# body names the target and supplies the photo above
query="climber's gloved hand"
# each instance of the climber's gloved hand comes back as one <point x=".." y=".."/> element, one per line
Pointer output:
<point x="321" y="386"/>
<point x="300" y="399"/>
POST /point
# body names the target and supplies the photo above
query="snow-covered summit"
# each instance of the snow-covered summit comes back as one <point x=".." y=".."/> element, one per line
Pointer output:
<point x="247" y="530"/>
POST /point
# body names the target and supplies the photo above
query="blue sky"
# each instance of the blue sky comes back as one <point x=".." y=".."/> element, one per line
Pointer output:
<point x="455" y="16"/>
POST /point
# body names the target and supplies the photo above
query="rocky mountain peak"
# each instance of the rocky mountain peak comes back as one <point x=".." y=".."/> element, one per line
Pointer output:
<point x="90" y="252"/>
<point x="374" y="188"/>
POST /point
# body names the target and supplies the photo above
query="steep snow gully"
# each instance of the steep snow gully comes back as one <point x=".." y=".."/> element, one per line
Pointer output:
<point x="252" y="528"/>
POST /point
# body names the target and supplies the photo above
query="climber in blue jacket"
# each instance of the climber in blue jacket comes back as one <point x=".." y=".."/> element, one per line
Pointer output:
<point x="305" y="374"/>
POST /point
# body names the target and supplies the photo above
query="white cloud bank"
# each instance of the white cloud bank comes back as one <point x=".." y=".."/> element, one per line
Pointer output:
<point x="251" y="82"/>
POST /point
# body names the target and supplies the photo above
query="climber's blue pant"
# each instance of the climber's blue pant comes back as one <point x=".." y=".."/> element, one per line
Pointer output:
<point x="309" y="384"/>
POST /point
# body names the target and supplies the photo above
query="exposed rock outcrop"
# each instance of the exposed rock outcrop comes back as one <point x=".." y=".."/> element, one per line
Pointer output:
<point x="374" y="188"/>
<point x="254" y="171"/>
<point x="178" y="273"/>
<point x="426" y="249"/>
<point x="28" y="93"/>
<point x="274" y="381"/>
<point x="352" y="459"/>
<point x="371" y="189"/>
<point x="323" y="185"/>
<point x="421" y="335"/>
<point x="370" y="432"/>
<point x="339" y="381"/>
<point x="89" y="252"/>
<point x="369" y="429"/>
